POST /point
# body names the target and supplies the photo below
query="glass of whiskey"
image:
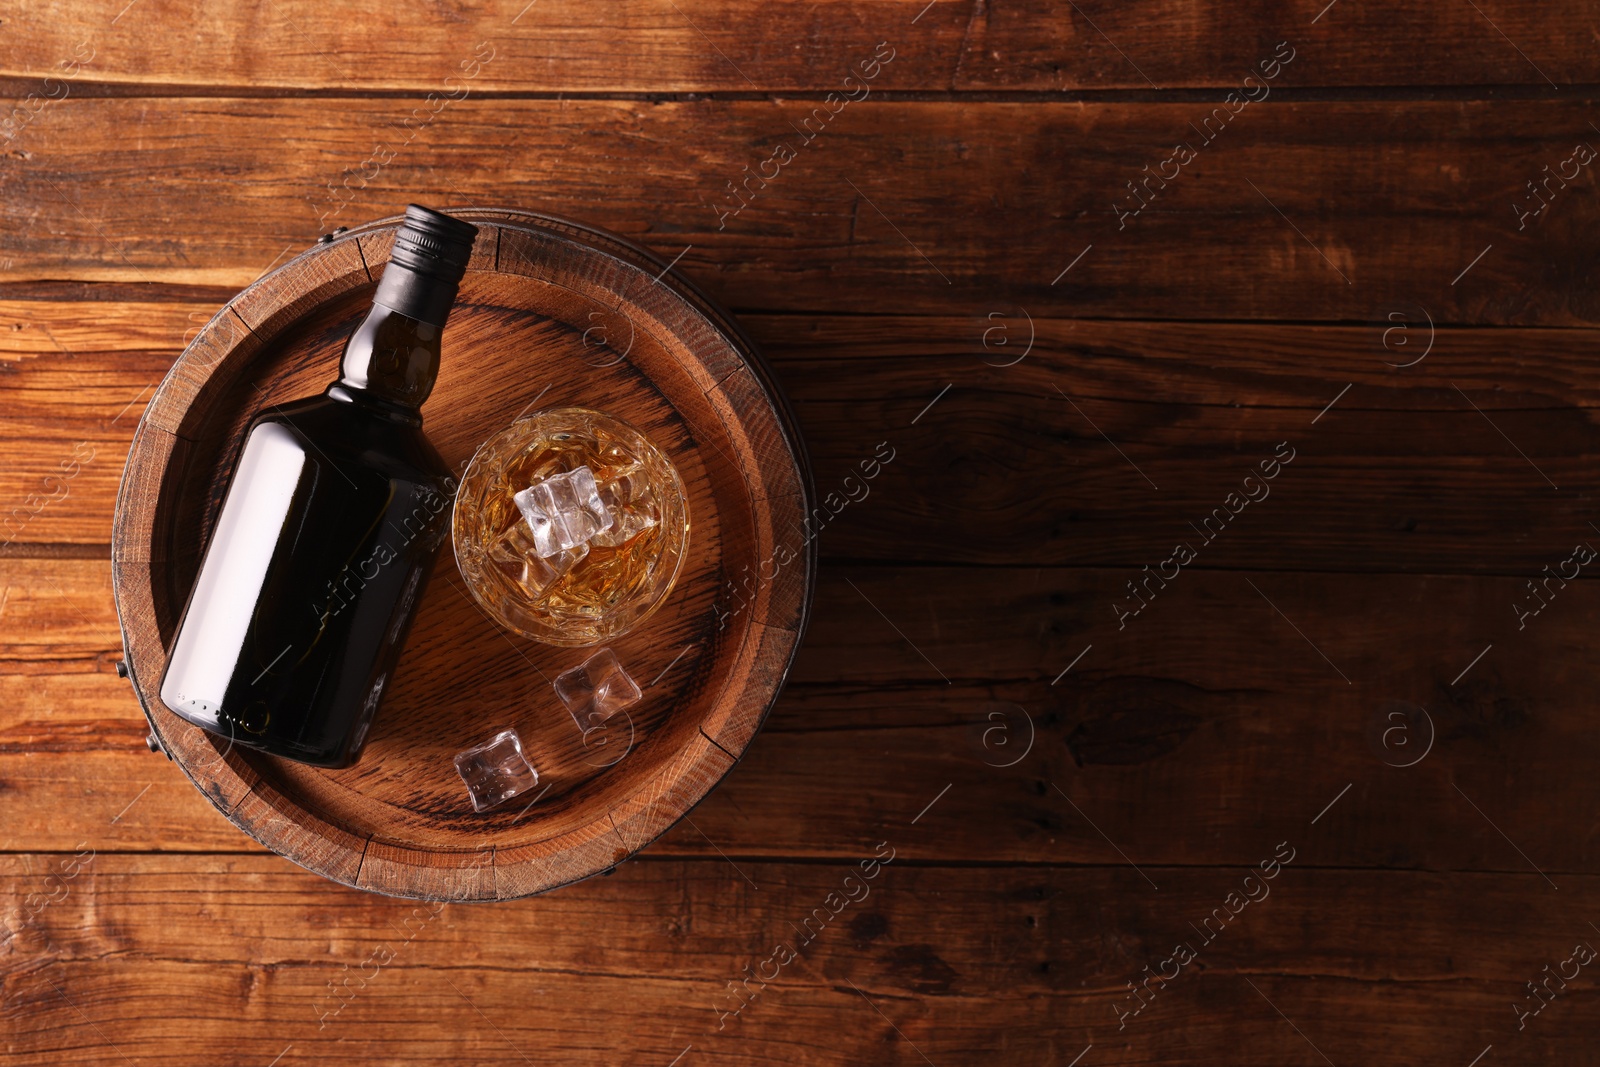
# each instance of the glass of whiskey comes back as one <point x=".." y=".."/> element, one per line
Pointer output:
<point x="570" y="527"/>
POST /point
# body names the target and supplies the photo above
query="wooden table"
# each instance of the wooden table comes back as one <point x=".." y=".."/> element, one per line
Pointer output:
<point x="1176" y="690"/>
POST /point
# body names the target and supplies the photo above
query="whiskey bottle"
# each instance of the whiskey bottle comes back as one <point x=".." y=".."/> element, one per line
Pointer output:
<point x="327" y="532"/>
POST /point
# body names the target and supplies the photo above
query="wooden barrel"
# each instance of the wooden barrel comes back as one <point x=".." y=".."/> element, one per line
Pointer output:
<point x="550" y="314"/>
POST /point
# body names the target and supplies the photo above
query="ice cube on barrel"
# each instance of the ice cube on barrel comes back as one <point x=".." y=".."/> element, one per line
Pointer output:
<point x="496" y="770"/>
<point x="596" y="689"/>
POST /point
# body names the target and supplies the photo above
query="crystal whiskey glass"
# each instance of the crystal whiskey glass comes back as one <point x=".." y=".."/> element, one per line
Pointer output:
<point x="570" y="527"/>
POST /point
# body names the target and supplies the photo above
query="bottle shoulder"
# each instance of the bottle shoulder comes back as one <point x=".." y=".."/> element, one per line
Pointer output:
<point x="357" y="439"/>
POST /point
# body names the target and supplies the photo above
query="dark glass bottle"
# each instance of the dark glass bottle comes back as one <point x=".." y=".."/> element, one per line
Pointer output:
<point x="329" y="528"/>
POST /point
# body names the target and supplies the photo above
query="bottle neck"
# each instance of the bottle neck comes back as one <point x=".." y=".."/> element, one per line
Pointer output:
<point x="394" y="354"/>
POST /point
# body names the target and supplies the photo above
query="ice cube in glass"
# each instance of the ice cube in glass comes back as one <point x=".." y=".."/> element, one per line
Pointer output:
<point x="563" y="511"/>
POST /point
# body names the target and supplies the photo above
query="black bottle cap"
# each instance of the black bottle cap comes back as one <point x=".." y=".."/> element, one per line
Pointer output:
<point x="434" y="244"/>
<point x="431" y="251"/>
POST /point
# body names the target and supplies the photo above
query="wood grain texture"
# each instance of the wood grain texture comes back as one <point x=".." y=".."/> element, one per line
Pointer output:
<point x="1010" y="467"/>
<point x="1208" y="712"/>
<point x="565" y="45"/>
<point x="967" y="694"/>
<point x="959" y="966"/>
<point x="893" y="207"/>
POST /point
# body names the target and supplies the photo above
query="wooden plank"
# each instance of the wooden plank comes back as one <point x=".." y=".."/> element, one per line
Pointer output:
<point x="1207" y="712"/>
<point x="506" y="46"/>
<point x="955" y="965"/>
<point x="893" y="206"/>
<point x="75" y="377"/>
<point x="1010" y="466"/>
